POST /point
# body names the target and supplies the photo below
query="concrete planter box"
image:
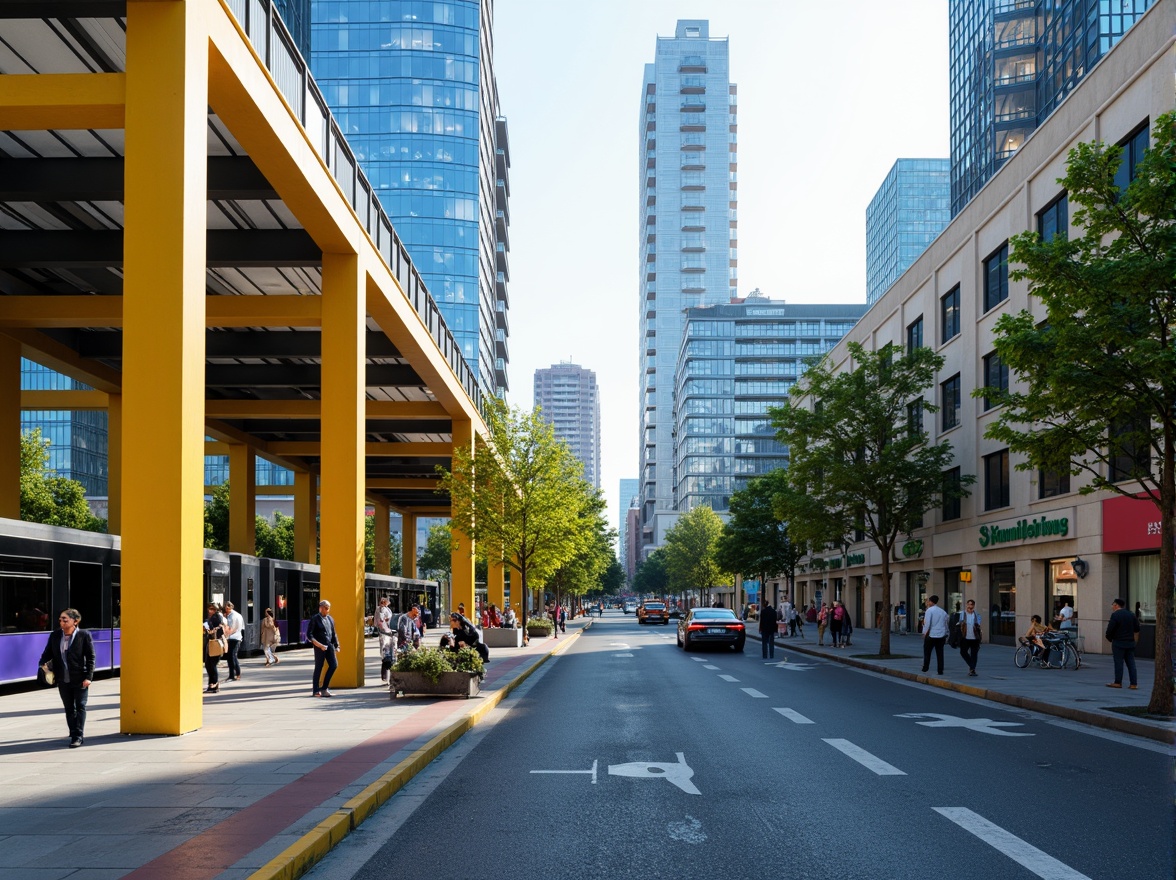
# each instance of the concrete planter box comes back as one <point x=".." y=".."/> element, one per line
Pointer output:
<point x="450" y="684"/>
<point x="538" y="632"/>
<point x="502" y="638"/>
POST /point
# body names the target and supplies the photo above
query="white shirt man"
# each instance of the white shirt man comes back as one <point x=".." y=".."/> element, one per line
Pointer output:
<point x="383" y="623"/>
<point x="1065" y="617"/>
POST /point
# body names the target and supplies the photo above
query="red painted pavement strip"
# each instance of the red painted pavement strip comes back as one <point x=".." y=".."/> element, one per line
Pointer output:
<point x="218" y="848"/>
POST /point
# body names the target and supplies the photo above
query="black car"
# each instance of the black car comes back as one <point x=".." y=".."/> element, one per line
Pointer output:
<point x="711" y="626"/>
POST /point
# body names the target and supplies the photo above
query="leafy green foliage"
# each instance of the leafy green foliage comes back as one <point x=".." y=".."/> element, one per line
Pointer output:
<point x="395" y="554"/>
<point x="854" y="460"/>
<point x="216" y="519"/>
<point x="1095" y="389"/>
<point x="691" y="552"/>
<point x="432" y="662"/>
<point x="584" y="571"/>
<point x="46" y="497"/>
<point x="755" y="541"/>
<point x="276" y="541"/>
<point x="437" y="559"/>
<point x="651" y="577"/>
<point x="543" y="623"/>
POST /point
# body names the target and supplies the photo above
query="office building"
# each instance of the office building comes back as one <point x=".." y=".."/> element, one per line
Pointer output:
<point x="77" y="438"/>
<point x="412" y="86"/>
<point x="688" y="233"/>
<point x="738" y="361"/>
<point x="295" y="14"/>
<point x="911" y="207"/>
<point x="1024" y="541"/>
<point x="1012" y="62"/>
<point x="630" y="489"/>
<point x="567" y="397"/>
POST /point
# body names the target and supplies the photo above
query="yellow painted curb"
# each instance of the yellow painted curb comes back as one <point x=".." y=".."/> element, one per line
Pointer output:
<point x="302" y="855"/>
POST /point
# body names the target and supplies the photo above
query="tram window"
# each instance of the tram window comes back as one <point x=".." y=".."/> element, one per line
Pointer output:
<point x="25" y="594"/>
<point x="116" y="596"/>
<point x="85" y="592"/>
<point x="310" y="598"/>
<point x="249" y="617"/>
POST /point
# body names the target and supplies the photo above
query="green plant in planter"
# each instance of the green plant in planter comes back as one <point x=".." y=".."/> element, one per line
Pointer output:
<point x="432" y="662"/>
<point x="542" y="623"/>
<point x="466" y="659"/>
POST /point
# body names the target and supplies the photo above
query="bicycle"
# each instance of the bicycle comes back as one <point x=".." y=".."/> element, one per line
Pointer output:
<point x="1058" y="653"/>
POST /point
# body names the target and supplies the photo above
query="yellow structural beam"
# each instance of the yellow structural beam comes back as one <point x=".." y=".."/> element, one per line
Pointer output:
<point x="263" y="311"/>
<point x="107" y="311"/>
<point x="48" y="352"/>
<point x="311" y="409"/>
<point x="305" y="517"/>
<point x="166" y="195"/>
<point x="386" y="483"/>
<point x="382" y="535"/>
<point x="242" y="500"/>
<point x="372" y="450"/>
<point x="408" y="545"/>
<point x="75" y="401"/>
<point x="70" y="101"/>
<point x="462" y="555"/>
<point x="341" y="522"/>
<point x="9" y="428"/>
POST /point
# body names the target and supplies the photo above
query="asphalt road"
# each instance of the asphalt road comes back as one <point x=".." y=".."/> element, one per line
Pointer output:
<point x="626" y="757"/>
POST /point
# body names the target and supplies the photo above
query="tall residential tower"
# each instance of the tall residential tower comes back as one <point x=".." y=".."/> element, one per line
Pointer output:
<point x="567" y="397"/>
<point x="687" y="232"/>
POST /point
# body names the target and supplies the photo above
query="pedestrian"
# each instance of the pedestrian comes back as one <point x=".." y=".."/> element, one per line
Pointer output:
<point x="811" y="614"/>
<point x="846" y="628"/>
<point x="271" y="637"/>
<point x="407" y="634"/>
<point x="423" y="621"/>
<point x="1122" y="633"/>
<point x="798" y="622"/>
<point x="785" y="614"/>
<point x="822" y="623"/>
<point x="934" y="633"/>
<point x="900" y="617"/>
<point x="1065" y="618"/>
<point x="563" y="619"/>
<point x="553" y="613"/>
<point x="384" y="633"/>
<point x="836" y="620"/>
<point x="767" y="628"/>
<point x="69" y="655"/>
<point x="972" y="634"/>
<point x="214" y="629"/>
<point x="322" y="633"/>
<point x="509" y="619"/>
<point x="235" y="630"/>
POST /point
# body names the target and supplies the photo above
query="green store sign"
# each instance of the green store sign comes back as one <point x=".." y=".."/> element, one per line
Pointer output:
<point x="912" y="548"/>
<point x="1025" y="530"/>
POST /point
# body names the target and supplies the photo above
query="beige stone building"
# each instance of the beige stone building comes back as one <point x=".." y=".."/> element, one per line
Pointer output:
<point x="1024" y="541"/>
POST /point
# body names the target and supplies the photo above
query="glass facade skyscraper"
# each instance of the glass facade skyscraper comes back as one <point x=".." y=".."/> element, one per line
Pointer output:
<point x="736" y="362"/>
<point x="78" y="440"/>
<point x="411" y="83"/>
<point x="295" y="14"/>
<point x="911" y="207"/>
<point x="1012" y="62"/>
<point x="687" y="176"/>
<point x="568" y="398"/>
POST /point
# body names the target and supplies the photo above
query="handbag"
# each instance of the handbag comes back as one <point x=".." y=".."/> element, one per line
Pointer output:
<point x="218" y="647"/>
<point x="955" y="637"/>
<point x="45" y="677"/>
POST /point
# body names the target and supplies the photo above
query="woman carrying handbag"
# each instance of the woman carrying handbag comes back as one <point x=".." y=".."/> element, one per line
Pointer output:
<point x="214" y="646"/>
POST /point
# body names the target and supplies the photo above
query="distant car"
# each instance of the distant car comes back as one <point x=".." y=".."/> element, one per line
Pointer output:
<point x="629" y="607"/>
<point x="653" y="612"/>
<point x="711" y="626"/>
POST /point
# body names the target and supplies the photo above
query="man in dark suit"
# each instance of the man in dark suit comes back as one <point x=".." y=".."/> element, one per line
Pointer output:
<point x="69" y="655"/>
<point x="321" y="632"/>
<point x="1122" y="631"/>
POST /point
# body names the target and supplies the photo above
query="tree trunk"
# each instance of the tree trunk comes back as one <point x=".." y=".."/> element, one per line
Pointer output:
<point x="884" y="637"/>
<point x="1161" y="696"/>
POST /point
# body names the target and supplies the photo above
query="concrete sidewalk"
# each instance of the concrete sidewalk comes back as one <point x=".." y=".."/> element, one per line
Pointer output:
<point x="270" y="782"/>
<point x="1079" y="695"/>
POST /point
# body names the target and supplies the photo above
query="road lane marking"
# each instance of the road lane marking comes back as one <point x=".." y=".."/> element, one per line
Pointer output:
<point x="709" y="666"/>
<point x="698" y="659"/>
<point x="870" y="762"/>
<point x="795" y="667"/>
<point x="752" y="692"/>
<point x="591" y="772"/>
<point x="1024" y="854"/>
<point x="980" y="725"/>
<point x="795" y="717"/>
<point x="678" y="774"/>
<point x="728" y="678"/>
<point x="622" y="655"/>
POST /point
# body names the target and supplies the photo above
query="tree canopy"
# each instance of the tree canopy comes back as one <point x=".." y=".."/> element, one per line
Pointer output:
<point x="755" y="541"/>
<point x="651" y="576"/>
<point x="436" y="560"/>
<point x="1095" y="381"/>
<point x="46" y="497"/>
<point x="859" y="457"/>
<point x="585" y="570"/>
<point x="690" y="549"/>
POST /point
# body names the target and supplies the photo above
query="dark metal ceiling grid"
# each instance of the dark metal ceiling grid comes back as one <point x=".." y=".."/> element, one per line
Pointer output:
<point x="61" y="212"/>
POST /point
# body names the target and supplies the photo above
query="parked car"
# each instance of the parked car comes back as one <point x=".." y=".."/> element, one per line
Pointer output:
<point x="629" y="607"/>
<point x="653" y="612"/>
<point x="711" y="626"/>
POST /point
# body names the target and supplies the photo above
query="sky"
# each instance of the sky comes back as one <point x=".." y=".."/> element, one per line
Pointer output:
<point x="830" y="95"/>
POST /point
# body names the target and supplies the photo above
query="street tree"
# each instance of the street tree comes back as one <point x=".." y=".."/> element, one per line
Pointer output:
<point x="275" y="541"/>
<point x="1095" y="381"/>
<point x="46" y="497"/>
<point x="859" y="457"/>
<point x="518" y="496"/>
<point x="436" y="560"/>
<point x="691" y="547"/>
<point x="756" y="541"/>
<point x="216" y="518"/>
<point x="585" y="569"/>
<point x="651" y="577"/>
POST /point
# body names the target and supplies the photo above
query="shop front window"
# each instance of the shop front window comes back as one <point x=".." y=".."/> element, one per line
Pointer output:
<point x="1002" y="581"/>
<point x="1143" y="573"/>
<point x="953" y="593"/>
<point x="1063" y="588"/>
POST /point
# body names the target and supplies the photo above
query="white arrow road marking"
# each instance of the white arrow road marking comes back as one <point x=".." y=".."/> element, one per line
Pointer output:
<point x="678" y="774"/>
<point x="795" y="717"/>
<point x="795" y="667"/>
<point x="1024" y="854"/>
<point x="592" y="772"/>
<point x="619" y="645"/>
<point x="689" y="831"/>
<point x="752" y="692"/>
<point x="728" y="678"/>
<point x="709" y="666"/>
<point x="980" y="725"/>
<point x="870" y="762"/>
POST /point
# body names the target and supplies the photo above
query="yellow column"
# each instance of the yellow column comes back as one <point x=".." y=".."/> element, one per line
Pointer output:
<point x="9" y="428"/>
<point x="242" y="499"/>
<point x="166" y="194"/>
<point x="114" y="435"/>
<point x="305" y="517"/>
<point x="343" y="457"/>
<point x="496" y="585"/>
<point x="408" y="545"/>
<point x="382" y="537"/>
<point x="462" y="555"/>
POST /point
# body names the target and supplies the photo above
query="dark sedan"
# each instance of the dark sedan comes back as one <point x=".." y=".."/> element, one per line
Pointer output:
<point x="711" y="626"/>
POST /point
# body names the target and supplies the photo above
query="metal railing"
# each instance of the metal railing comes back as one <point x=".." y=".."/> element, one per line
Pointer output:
<point x="271" y="39"/>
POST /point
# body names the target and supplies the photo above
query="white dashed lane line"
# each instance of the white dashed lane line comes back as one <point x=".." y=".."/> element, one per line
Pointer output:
<point x="870" y="762"/>
<point x="728" y="678"/>
<point x="794" y="717"/>
<point x="709" y="666"/>
<point x="1024" y="854"/>
<point x="752" y="692"/>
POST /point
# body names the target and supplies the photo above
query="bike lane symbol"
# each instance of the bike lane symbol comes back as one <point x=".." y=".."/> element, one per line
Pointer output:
<point x="678" y="774"/>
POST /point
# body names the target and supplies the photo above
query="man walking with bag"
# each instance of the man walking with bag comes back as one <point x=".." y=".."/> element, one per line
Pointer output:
<point x="69" y="656"/>
<point x="934" y="633"/>
<point x="321" y="633"/>
<point x="969" y="624"/>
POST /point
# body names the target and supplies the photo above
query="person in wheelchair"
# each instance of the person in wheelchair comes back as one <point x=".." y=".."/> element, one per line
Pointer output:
<point x="1036" y="630"/>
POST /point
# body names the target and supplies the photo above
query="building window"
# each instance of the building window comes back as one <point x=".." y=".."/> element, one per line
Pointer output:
<point x="1052" y="483"/>
<point x="996" y="277"/>
<point x="996" y="376"/>
<point x="996" y="480"/>
<point x="949" y="402"/>
<point x="1134" y="146"/>
<point x="915" y="417"/>
<point x="951" y="500"/>
<point x="1130" y="448"/>
<point x="949" y="314"/>
<point x="915" y="335"/>
<point x="1054" y="219"/>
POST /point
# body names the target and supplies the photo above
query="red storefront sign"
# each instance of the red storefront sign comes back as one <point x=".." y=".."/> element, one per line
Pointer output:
<point x="1130" y="524"/>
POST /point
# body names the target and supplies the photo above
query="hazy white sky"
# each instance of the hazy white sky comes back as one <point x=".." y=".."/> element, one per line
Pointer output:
<point x="830" y="94"/>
